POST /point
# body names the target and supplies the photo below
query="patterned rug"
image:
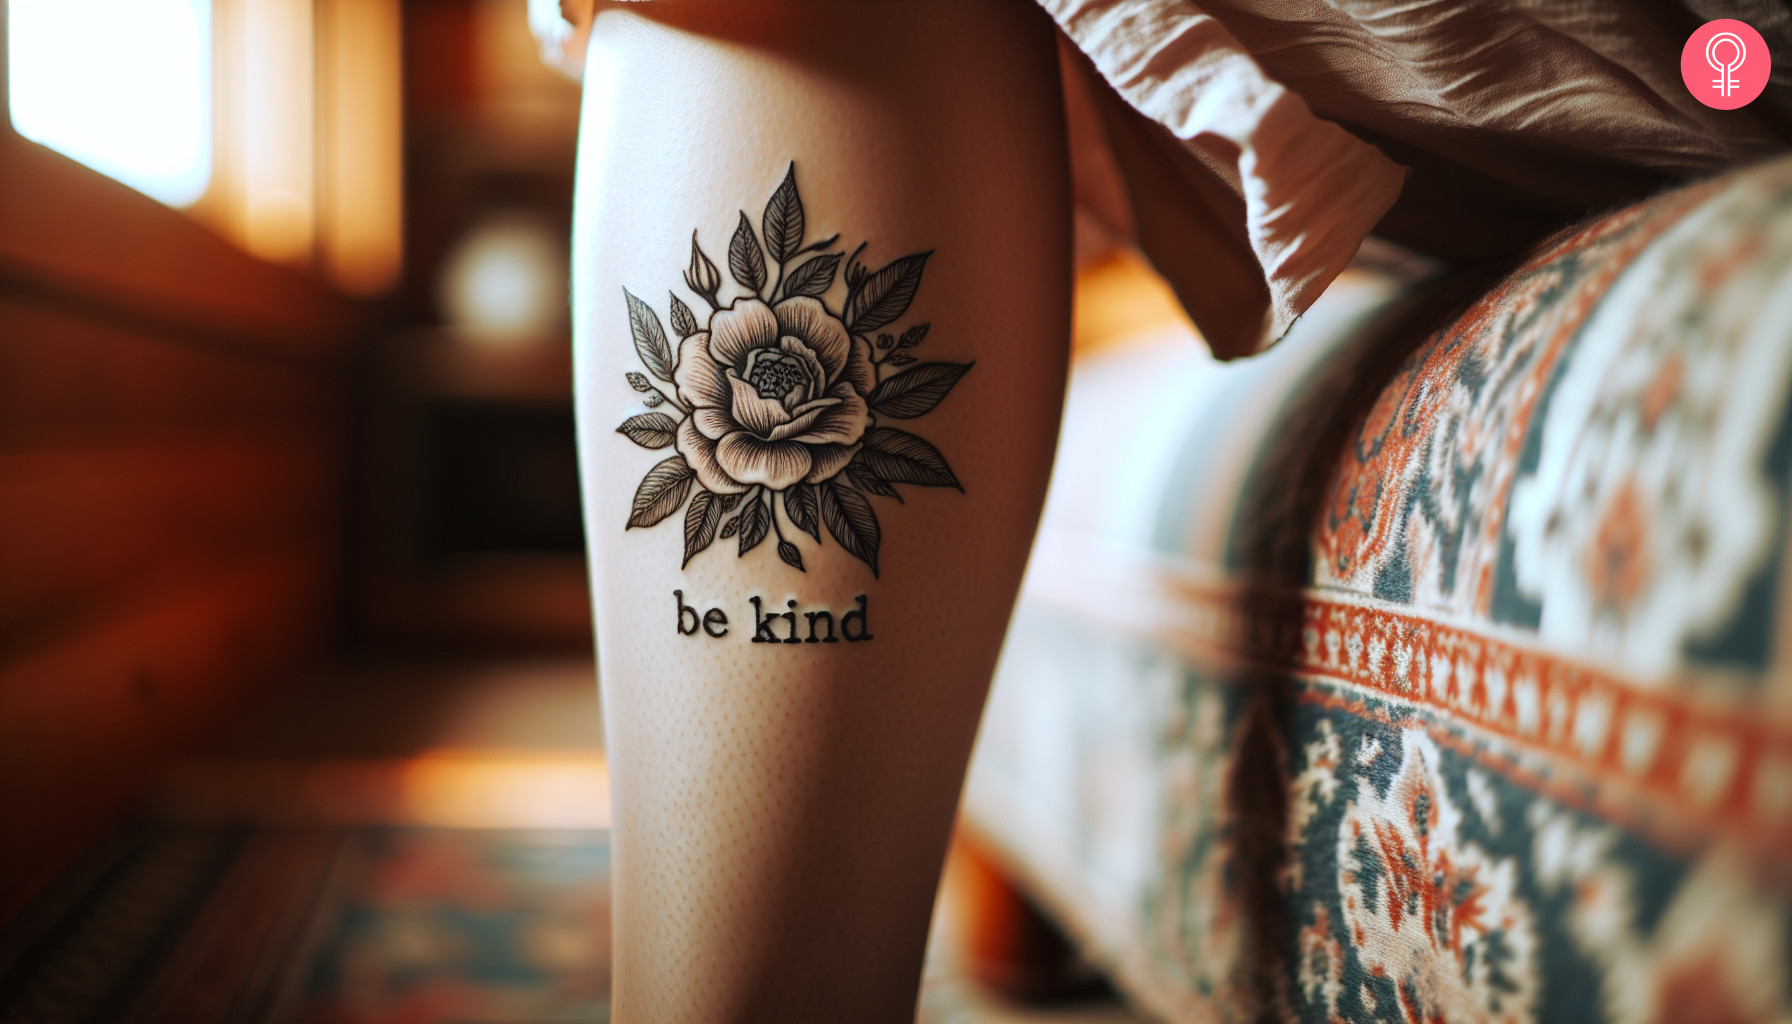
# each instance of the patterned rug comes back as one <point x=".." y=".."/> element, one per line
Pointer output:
<point x="321" y="926"/>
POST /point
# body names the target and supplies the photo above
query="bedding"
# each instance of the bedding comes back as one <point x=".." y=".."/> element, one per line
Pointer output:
<point x="1432" y="666"/>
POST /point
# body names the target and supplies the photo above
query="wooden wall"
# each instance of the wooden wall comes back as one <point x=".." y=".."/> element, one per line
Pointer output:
<point x="170" y="466"/>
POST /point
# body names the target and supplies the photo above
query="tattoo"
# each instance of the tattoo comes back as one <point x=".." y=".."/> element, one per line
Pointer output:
<point x="778" y="396"/>
<point x="780" y="627"/>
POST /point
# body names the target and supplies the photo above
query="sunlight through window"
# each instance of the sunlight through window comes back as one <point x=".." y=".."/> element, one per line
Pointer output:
<point x="123" y="86"/>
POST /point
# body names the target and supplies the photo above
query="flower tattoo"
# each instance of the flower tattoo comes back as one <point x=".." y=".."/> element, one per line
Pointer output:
<point x="779" y="397"/>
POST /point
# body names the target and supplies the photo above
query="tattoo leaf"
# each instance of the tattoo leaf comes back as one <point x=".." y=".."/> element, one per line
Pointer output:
<point x="728" y="502"/>
<point x="650" y="337"/>
<point x="813" y="276"/>
<point x="662" y="490"/>
<point x="899" y="359"/>
<point x="650" y="429"/>
<point x="700" y="523"/>
<point x="886" y="294"/>
<point x="851" y="520"/>
<point x="682" y="320"/>
<point x="655" y="399"/>
<point x="639" y="381"/>
<point x="745" y="260"/>
<point x="865" y="480"/>
<point x="913" y="336"/>
<point x="914" y="392"/>
<point x="754" y="521"/>
<point x="900" y="457"/>
<point x="783" y="221"/>
<point x="788" y="552"/>
<point x="799" y="505"/>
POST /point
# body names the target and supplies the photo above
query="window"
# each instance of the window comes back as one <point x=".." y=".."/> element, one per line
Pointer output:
<point x="123" y="86"/>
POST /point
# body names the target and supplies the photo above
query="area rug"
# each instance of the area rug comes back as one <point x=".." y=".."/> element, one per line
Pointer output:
<point x="320" y="926"/>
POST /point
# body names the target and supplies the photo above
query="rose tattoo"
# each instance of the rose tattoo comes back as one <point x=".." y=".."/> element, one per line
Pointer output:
<point x="779" y="397"/>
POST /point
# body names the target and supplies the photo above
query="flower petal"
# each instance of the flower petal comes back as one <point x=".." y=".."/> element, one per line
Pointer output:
<point x="819" y="403"/>
<point x="859" y="368"/>
<point x="700" y="454"/>
<point x="745" y="370"/>
<point x="829" y="459"/>
<point x="698" y="377"/>
<point x="810" y="322"/>
<point x="759" y="415"/>
<point x="804" y="418"/>
<point x="776" y="464"/>
<point x="794" y="347"/>
<point x="742" y="327"/>
<point x="838" y="424"/>
<point x="713" y="423"/>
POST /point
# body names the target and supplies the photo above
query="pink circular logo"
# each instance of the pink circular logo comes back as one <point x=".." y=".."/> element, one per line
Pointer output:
<point x="1725" y="64"/>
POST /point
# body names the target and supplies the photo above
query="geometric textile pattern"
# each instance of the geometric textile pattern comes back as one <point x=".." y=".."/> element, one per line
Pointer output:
<point x="1453" y="689"/>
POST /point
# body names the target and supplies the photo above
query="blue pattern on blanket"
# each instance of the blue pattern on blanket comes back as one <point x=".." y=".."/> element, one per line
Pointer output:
<point x="1482" y="712"/>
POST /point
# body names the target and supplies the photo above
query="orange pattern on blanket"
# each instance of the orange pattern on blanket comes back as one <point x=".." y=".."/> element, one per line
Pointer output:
<point x="1451" y="424"/>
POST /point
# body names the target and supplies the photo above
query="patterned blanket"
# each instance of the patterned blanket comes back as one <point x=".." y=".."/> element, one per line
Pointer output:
<point x="1427" y="668"/>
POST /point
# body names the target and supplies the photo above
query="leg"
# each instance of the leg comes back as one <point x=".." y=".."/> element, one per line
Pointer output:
<point x="782" y="808"/>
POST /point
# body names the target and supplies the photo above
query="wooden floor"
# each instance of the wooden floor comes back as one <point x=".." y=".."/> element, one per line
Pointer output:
<point x="492" y="746"/>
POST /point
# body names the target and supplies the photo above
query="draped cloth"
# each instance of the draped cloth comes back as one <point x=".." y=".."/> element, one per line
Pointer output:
<point x="1248" y="147"/>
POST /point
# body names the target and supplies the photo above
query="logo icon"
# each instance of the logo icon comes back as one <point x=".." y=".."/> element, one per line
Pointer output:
<point x="1726" y="80"/>
<point x="1725" y="64"/>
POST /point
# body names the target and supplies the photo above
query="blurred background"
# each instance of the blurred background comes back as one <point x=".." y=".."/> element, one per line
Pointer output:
<point x="298" y="716"/>
<point x="297" y="708"/>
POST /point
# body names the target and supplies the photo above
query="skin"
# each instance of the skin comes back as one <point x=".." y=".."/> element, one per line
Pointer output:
<point x="781" y="812"/>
